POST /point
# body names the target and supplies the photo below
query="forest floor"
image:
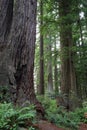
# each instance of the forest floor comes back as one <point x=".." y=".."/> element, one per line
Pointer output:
<point x="83" y="127"/>
<point x="45" y="125"/>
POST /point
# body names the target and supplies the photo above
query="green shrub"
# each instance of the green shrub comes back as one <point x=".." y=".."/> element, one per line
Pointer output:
<point x="31" y="128"/>
<point x="69" y="120"/>
<point x="11" y="119"/>
<point x="48" y="103"/>
<point x="58" y="115"/>
<point x="80" y="114"/>
<point x="62" y="118"/>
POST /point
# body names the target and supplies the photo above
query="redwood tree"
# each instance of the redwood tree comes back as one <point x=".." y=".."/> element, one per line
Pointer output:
<point x="68" y="78"/>
<point x="18" y="30"/>
<point x="22" y="41"/>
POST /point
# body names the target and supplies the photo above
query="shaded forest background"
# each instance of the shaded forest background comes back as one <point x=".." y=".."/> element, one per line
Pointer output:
<point x="61" y="41"/>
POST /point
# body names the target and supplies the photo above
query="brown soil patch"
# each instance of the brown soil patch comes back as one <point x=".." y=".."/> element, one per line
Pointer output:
<point x="45" y="125"/>
<point x="83" y="127"/>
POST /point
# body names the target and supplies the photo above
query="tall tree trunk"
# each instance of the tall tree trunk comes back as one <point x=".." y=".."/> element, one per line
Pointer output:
<point x="41" y="86"/>
<point x="50" y="77"/>
<point x="22" y="47"/>
<point x="55" y="71"/>
<point x="68" y="80"/>
<point x="20" y="37"/>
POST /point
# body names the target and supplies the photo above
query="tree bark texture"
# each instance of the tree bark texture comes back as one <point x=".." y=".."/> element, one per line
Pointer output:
<point x="22" y="47"/>
<point x="68" y="78"/>
<point x="18" y="32"/>
<point x="6" y="13"/>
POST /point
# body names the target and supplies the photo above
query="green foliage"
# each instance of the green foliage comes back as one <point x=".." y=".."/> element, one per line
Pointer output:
<point x="11" y="119"/>
<point x="80" y="114"/>
<point x="48" y="103"/>
<point x="60" y="116"/>
<point x="31" y="128"/>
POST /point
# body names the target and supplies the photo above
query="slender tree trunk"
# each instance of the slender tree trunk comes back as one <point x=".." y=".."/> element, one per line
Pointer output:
<point x="41" y="86"/>
<point x="55" y="71"/>
<point x="50" y="76"/>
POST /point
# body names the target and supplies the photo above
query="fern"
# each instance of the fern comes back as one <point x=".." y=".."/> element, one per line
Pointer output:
<point x="11" y="118"/>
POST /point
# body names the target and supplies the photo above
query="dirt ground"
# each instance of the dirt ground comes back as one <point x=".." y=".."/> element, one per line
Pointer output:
<point x="44" y="125"/>
<point x="83" y="127"/>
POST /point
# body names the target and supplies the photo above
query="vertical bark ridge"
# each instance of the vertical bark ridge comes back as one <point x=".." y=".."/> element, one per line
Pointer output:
<point x="22" y="41"/>
<point x="6" y="14"/>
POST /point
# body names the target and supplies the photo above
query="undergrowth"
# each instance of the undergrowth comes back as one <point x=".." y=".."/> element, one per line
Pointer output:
<point x="60" y="116"/>
<point x="12" y="119"/>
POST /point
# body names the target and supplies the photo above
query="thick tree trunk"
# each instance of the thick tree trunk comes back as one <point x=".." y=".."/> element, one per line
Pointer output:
<point x="22" y="42"/>
<point x="68" y="80"/>
<point x="17" y="43"/>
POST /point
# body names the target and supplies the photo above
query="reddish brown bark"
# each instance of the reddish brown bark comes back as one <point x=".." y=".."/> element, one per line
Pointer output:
<point x="18" y="31"/>
<point x="22" y="47"/>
